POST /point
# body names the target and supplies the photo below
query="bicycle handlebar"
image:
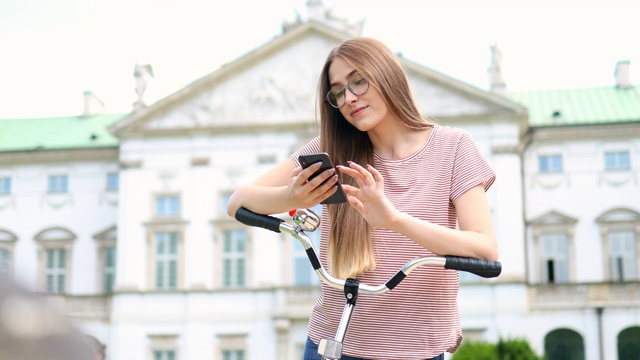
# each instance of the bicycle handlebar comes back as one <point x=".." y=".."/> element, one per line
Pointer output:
<point x="480" y="267"/>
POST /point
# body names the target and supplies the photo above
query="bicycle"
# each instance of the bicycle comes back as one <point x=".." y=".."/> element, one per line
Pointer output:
<point x="307" y="220"/>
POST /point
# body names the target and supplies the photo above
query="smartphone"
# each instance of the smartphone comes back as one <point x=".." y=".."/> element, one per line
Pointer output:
<point x="310" y="159"/>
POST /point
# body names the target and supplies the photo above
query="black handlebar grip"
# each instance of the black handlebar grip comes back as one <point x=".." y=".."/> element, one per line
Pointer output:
<point x="480" y="267"/>
<point x="250" y="218"/>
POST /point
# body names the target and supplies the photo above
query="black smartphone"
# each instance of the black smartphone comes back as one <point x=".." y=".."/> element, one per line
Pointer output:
<point x="310" y="159"/>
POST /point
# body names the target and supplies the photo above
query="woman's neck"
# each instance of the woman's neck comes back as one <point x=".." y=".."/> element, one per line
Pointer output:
<point x="397" y="142"/>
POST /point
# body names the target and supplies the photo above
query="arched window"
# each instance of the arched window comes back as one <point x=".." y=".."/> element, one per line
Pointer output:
<point x="563" y="344"/>
<point x="628" y="344"/>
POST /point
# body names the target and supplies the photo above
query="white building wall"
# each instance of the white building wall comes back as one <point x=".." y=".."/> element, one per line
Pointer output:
<point x="86" y="210"/>
<point x="584" y="190"/>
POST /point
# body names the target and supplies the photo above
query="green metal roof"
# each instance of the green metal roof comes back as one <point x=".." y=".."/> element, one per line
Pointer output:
<point x="71" y="132"/>
<point x="588" y="106"/>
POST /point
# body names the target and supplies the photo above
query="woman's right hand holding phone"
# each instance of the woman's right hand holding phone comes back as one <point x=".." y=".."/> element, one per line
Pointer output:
<point x="309" y="193"/>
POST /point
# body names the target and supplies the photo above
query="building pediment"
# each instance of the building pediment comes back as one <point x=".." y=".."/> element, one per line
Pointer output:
<point x="55" y="234"/>
<point x="276" y="84"/>
<point x="619" y="215"/>
<point x="553" y="218"/>
<point x="109" y="233"/>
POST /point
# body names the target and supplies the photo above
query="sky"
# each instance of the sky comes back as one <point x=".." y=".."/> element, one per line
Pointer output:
<point x="51" y="51"/>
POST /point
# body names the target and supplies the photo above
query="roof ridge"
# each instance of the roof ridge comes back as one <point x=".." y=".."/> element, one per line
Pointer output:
<point x="602" y="87"/>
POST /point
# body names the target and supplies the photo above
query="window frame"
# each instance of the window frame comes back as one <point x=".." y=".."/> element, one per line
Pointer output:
<point x="628" y="261"/>
<point x="104" y="240"/>
<point x="218" y="256"/>
<point x="618" y="219"/>
<point x="167" y="258"/>
<point x="169" y="215"/>
<point x="109" y="183"/>
<point x="57" y="272"/>
<point x="232" y="342"/>
<point x="546" y="257"/>
<point x="549" y="168"/>
<point x="235" y="258"/>
<point x="7" y="243"/>
<point x="221" y="209"/>
<point x="152" y="230"/>
<point x="163" y="343"/>
<point x="616" y="157"/>
<point x="55" y="238"/>
<point x="552" y="222"/>
<point x="6" y="183"/>
<point x="58" y="189"/>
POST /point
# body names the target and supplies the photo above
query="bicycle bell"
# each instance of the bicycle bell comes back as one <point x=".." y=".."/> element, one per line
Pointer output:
<point x="306" y="219"/>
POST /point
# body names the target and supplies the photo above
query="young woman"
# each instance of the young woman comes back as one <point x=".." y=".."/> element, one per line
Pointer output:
<point x="414" y="188"/>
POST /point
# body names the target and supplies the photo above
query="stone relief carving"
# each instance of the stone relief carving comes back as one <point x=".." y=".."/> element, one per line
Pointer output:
<point x="271" y="93"/>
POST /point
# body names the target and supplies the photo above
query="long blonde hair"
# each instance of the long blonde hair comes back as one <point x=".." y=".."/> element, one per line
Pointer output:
<point x="351" y="251"/>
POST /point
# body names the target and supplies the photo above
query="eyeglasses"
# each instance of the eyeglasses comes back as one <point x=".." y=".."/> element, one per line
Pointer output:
<point x="357" y="85"/>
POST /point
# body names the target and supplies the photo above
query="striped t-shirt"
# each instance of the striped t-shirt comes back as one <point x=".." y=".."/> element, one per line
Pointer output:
<point x="419" y="318"/>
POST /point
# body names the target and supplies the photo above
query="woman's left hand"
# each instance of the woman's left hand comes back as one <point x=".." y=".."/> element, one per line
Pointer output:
<point x="369" y="198"/>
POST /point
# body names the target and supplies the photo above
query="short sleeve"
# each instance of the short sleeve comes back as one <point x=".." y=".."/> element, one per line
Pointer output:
<point x="470" y="168"/>
<point x="311" y="147"/>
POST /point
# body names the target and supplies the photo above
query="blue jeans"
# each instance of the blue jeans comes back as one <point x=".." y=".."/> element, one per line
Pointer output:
<point x="311" y="353"/>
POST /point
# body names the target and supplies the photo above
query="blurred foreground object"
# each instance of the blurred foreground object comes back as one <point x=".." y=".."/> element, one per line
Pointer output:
<point x="30" y="329"/>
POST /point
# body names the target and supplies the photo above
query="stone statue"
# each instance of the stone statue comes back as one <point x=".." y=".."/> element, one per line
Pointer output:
<point x="496" y="82"/>
<point x="142" y="73"/>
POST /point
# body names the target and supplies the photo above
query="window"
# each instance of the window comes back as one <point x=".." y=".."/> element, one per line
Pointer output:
<point x="113" y="180"/>
<point x="5" y="263"/>
<point x="550" y="163"/>
<point x="303" y="273"/>
<point x="233" y="355"/>
<point x="225" y="201"/>
<point x="166" y="260"/>
<point x="58" y="183"/>
<point x="7" y="244"/>
<point x="108" y="268"/>
<point x="164" y="355"/>
<point x="5" y="185"/>
<point x="55" y="271"/>
<point x="163" y="347"/>
<point x="167" y="206"/>
<point x="234" y="257"/>
<point x="106" y="251"/>
<point x="232" y="347"/>
<point x="554" y="257"/>
<point x="622" y="255"/>
<point x="552" y="247"/>
<point x="617" y="160"/>
<point x="620" y="231"/>
<point x="55" y="251"/>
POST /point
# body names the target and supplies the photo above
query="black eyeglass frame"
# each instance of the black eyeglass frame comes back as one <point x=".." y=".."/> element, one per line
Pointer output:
<point x="343" y="91"/>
